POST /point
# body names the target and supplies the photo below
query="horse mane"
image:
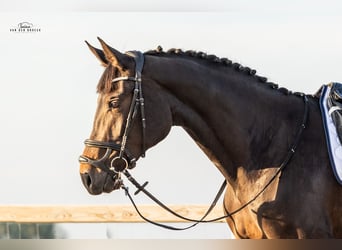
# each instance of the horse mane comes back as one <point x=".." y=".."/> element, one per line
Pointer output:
<point x="105" y="84"/>
<point x="222" y="61"/>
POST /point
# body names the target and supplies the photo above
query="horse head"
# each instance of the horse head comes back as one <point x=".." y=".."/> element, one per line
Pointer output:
<point x="122" y="130"/>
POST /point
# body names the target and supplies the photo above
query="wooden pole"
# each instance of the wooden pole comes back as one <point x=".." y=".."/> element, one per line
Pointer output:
<point x="103" y="213"/>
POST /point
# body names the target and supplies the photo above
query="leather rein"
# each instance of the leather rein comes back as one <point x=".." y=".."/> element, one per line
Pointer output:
<point x="124" y="161"/>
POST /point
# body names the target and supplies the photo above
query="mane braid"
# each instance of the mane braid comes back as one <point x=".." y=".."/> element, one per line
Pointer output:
<point x="223" y="61"/>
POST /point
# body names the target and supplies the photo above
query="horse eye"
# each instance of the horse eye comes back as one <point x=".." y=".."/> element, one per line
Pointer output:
<point x="113" y="103"/>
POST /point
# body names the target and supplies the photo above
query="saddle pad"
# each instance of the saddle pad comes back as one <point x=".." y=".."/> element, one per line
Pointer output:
<point x="333" y="143"/>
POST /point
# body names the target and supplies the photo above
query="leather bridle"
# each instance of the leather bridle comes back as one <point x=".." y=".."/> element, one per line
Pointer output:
<point x="125" y="160"/>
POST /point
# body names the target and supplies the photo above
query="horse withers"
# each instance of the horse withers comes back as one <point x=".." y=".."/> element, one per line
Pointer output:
<point x="267" y="142"/>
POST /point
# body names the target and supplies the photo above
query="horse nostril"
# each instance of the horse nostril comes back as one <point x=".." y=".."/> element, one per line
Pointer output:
<point x="86" y="180"/>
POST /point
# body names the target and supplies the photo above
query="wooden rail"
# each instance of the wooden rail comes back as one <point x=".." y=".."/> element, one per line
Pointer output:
<point x="97" y="214"/>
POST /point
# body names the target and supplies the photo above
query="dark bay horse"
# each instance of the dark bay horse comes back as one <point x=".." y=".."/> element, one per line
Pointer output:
<point x="251" y="130"/>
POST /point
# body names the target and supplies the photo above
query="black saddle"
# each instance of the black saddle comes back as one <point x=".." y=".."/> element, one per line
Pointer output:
<point x="334" y="103"/>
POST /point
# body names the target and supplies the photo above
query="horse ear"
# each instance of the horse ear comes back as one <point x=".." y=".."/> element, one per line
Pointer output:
<point x="99" y="54"/>
<point x="113" y="56"/>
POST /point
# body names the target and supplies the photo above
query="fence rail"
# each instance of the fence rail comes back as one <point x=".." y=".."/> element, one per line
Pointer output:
<point x="103" y="213"/>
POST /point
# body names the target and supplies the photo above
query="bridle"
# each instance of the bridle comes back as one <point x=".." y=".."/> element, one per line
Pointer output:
<point x="124" y="161"/>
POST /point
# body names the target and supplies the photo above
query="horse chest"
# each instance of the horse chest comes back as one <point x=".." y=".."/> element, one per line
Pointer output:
<point x="245" y="223"/>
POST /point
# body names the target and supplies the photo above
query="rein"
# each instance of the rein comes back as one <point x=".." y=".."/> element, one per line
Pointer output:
<point x="124" y="161"/>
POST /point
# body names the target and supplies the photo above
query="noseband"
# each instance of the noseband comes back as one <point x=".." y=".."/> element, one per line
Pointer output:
<point x="125" y="160"/>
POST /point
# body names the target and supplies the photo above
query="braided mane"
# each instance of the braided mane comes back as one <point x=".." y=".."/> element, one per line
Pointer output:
<point x="223" y="61"/>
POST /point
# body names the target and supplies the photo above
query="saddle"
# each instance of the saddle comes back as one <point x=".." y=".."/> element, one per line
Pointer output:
<point x="331" y="109"/>
<point x="334" y="103"/>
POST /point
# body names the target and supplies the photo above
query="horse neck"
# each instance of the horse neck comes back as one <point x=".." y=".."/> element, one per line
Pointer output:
<point x="236" y="120"/>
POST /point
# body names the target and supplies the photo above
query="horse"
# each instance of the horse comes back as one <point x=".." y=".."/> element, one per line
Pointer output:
<point x="267" y="141"/>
